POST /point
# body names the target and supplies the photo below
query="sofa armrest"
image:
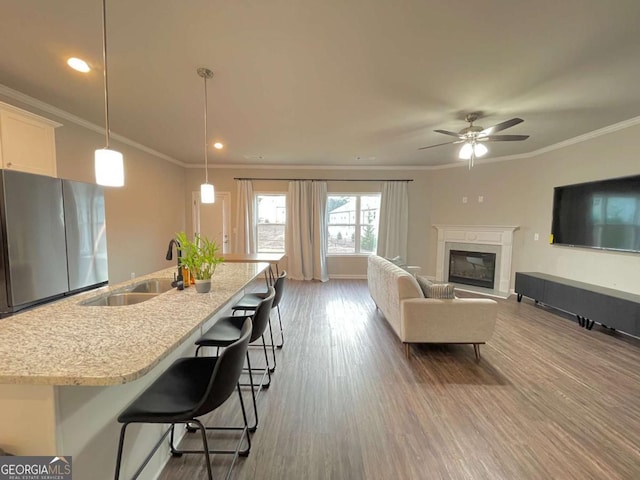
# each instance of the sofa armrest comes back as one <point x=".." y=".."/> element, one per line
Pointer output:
<point x="458" y="320"/>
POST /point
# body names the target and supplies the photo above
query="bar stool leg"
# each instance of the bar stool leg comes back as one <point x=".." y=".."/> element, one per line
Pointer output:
<point x="281" y="329"/>
<point x="120" y="446"/>
<point x="205" y="446"/>
<point x="253" y="396"/>
<point x="273" y="350"/>
<point x="244" y="453"/>
<point x="266" y="359"/>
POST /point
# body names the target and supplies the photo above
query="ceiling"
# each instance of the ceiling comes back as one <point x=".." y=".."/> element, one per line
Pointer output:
<point x="331" y="82"/>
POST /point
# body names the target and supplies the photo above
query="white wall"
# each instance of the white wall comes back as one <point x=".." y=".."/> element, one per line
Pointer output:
<point x="516" y="192"/>
<point x="520" y="192"/>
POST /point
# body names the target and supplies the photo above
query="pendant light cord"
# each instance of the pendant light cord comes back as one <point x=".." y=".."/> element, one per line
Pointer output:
<point x="106" y="81"/>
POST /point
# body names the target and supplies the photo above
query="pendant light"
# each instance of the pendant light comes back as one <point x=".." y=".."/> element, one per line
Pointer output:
<point x="207" y="192"/>
<point x="108" y="163"/>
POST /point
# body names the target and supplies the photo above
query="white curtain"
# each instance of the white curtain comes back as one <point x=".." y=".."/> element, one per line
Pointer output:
<point x="306" y="231"/>
<point x="394" y="220"/>
<point x="245" y="241"/>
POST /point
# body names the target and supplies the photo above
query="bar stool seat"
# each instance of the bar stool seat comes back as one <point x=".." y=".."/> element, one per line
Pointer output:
<point x="174" y="395"/>
<point x="224" y="332"/>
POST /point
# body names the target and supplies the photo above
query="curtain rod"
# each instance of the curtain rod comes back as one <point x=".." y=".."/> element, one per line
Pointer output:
<point x="327" y="179"/>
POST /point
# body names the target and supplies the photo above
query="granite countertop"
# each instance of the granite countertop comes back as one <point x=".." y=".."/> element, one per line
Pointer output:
<point x="64" y="343"/>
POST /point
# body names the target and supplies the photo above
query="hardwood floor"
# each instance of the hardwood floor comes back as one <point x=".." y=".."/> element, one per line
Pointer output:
<point x="548" y="400"/>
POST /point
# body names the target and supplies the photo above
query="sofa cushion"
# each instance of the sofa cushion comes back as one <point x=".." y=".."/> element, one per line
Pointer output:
<point x="424" y="283"/>
<point x="441" y="290"/>
<point x="435" y="290"/>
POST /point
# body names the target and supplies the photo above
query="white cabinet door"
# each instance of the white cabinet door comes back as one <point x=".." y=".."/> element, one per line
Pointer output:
<point x="27" y="142"/>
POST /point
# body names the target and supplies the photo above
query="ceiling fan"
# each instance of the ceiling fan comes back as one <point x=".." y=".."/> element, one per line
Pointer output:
<point x="473" y="137"/>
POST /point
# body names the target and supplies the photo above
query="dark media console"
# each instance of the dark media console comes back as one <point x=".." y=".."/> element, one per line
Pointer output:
<point x="589" y="303"/>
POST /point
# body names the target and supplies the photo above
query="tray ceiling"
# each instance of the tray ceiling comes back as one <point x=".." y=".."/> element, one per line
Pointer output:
<point x="332" y="82"/>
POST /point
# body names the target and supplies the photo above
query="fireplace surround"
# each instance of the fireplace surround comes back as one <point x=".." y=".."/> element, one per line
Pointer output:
<point x="478" y="238"/>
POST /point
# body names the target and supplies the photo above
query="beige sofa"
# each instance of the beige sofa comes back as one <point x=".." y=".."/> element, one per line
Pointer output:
<point x="416" y="319"/>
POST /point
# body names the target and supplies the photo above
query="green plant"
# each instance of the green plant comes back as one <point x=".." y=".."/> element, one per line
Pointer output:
<point x="200" y="256"/>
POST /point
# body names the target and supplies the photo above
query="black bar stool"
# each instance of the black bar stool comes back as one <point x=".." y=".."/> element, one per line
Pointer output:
<point x="250" y="301"/>
<point x="190" y="388"/>
<point x="227" y="329"/>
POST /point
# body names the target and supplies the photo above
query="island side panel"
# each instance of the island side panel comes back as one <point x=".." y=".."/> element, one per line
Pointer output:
<point x="88" y="429"/>
<point x="28" y="419"/>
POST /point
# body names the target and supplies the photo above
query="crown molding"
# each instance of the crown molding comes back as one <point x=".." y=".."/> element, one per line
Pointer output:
<point x="244" y="166"/>
<point x="58" y="112"/>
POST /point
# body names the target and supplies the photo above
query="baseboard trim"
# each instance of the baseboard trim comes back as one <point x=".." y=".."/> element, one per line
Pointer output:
<point x="347" y="277"/>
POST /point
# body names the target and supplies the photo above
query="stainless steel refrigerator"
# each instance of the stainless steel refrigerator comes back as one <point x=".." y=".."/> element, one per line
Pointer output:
<point x="53" y="239"/>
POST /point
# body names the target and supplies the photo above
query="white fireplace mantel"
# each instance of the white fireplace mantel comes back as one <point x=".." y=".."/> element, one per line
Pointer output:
<point x="497" y="235"/>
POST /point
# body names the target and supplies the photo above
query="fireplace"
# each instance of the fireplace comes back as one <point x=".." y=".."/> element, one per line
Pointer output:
<point x="472" y="268"/>
<point x="494" y="239"/>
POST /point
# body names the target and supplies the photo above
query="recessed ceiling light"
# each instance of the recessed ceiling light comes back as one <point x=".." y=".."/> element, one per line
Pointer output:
<point x="218" y="145"/>
<point x="79" y="65"/>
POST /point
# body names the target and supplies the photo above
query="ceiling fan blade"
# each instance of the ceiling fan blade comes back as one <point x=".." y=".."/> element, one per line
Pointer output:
<point x="501" y="126"/>
<point x="503" y="138"/>
<point x="440" y="144"/>
<point x="447" y="132"/>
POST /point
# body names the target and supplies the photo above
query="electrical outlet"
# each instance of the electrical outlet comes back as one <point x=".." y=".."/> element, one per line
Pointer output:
<point x="536" y="237"/>
<point x="133" y="275"/>
<point x="465" y="199"/>
<point x="480" y="199"/>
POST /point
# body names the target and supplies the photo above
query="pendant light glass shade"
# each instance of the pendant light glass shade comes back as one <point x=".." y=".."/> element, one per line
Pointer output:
<point x="207" y="193"/>
<point x="109" y="164"/>
<point x="109" y="168"/>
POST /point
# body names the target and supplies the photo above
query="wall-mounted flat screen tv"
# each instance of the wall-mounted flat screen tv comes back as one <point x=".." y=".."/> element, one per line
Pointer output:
<point x="603" y="214"/>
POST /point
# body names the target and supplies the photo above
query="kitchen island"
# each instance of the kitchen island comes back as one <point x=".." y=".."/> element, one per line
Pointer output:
<point x="67" y="370"/>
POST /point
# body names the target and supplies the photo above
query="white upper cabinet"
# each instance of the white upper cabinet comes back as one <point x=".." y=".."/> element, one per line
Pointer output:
<point x="27" y="141"/>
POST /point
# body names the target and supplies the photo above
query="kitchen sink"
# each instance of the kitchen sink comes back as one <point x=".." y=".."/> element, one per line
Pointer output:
<point x="118" y="299"/>
<point x="154" y="285"/>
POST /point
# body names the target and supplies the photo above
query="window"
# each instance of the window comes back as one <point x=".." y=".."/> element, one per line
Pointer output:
<point x="271" y="219"/>
<point x="352" y="223"/>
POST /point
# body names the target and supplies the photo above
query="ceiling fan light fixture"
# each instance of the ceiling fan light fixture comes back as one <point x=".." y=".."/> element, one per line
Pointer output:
<point x="473" y="137"/>
<point x="474" y="149"/>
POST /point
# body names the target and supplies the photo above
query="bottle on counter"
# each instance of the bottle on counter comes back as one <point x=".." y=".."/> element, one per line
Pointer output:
<point x="186" y="275"/>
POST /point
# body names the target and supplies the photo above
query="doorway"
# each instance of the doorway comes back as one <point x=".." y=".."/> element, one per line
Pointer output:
<point x="212" y="219"/>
